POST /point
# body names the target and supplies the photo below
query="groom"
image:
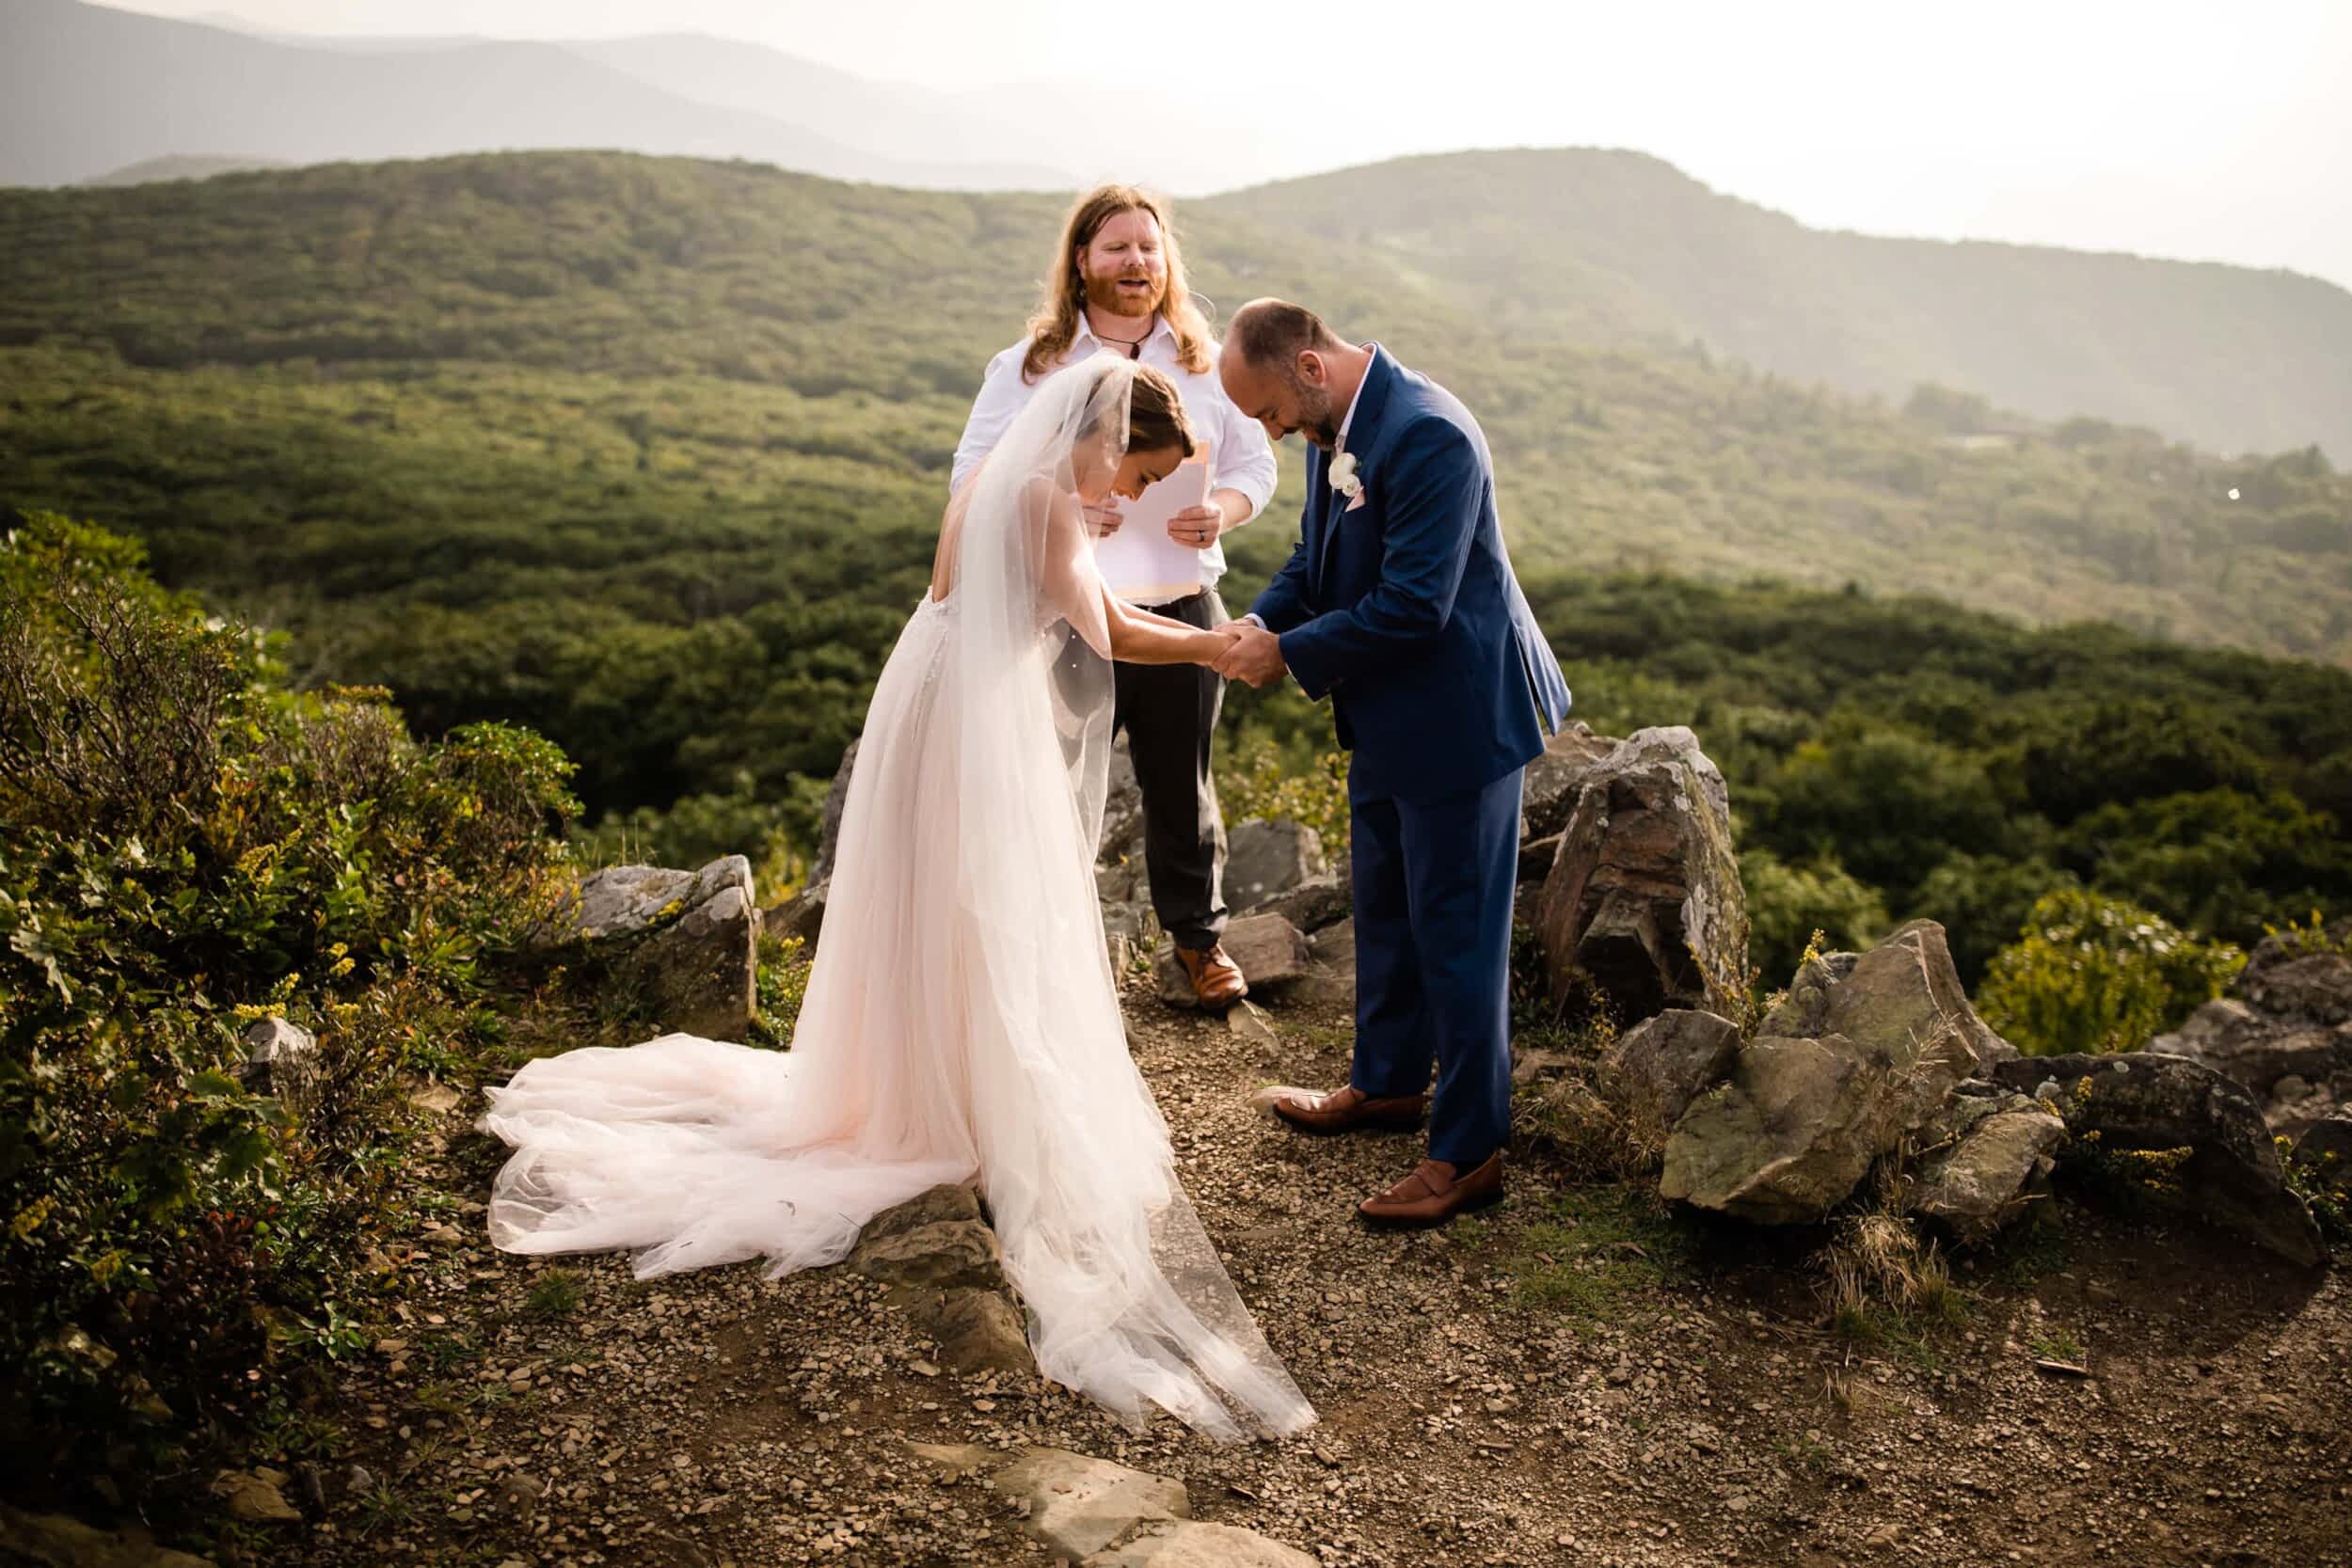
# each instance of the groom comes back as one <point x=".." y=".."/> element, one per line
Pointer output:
<point x="1399" y="604"/>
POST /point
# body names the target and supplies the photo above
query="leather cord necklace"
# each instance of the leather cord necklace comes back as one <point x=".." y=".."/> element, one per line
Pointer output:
<point x="1132" y="345"/>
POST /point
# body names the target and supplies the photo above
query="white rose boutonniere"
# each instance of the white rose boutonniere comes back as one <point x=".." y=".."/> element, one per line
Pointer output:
<point x="1342" y="475"/>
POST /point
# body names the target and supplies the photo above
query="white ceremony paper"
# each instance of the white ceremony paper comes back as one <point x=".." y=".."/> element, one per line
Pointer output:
<point x="1140" y="563"/>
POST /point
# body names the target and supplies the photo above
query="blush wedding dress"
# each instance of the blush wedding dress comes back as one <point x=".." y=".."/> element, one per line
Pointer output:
<point x="960" y="1024"/>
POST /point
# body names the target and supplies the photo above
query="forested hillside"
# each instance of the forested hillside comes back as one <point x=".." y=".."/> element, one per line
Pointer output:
<point x="647" y="454"/>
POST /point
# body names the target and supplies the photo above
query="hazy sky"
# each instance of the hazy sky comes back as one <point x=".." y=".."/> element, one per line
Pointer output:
<point x="2217" y="130"/>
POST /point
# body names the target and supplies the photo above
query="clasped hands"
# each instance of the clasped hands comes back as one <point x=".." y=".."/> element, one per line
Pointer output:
<point x="1251" y="654"/>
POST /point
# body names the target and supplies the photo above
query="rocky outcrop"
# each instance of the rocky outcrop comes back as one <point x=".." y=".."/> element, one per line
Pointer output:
<point x="1315" y="903"/>
<point x="684" y="943"/>
<point x="1645" y="900"/>
<point x="1265" y="860"/>
<point x="2136" y="1101"/>
<point x="1548" y="793"/>
<point x="942" y="1263"/>
<point x="803" y="915"/>
<point x="1864" y="1052"/>
<point x="1655" y="1069"/>
<point x="2286" y="1034"/>
<point x="1789" y="1135"/>
<point x="1994" y="1158"/>
<point x="1271" y="951"/>
<point x="1098" y="1515"/>
<point x="54" y="1541"/>
<point x="281" y="1060"/>
<point x="2325" y="1153"/>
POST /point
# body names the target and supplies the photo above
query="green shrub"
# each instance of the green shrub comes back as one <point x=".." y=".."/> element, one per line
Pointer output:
<point x="1788" y="904"/>
<point x="2091" y="973"/>
<point x="185" y="846"/>
<point x="1253" y="781"/>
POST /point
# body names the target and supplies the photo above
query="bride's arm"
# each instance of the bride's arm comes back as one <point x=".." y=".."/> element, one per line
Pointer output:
<point x="1140" y="637"/>
<point x="1113" y="626"/>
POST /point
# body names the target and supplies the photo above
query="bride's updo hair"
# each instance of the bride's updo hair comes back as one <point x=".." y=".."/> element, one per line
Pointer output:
<point x="1155" y="418"/>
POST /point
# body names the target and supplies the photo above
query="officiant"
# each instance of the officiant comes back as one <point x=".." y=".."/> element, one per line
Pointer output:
<point x="1116" y="285"/>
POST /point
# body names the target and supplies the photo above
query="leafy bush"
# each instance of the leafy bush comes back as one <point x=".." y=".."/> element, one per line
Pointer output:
<point x="2089" y="972"/>
<point x="1253" y="781"/>
<point x="1788" y="904"/>
<point x="185" y="846"/>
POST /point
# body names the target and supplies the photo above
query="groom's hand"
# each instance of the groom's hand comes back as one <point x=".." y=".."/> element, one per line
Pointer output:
<point x="1255" y="656"/>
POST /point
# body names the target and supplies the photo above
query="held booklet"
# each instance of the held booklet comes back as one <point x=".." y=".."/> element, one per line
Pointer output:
<point x="1140" y="563"/>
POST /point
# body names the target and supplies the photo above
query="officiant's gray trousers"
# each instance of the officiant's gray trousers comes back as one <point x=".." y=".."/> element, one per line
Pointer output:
<point x="1169" y="714"/>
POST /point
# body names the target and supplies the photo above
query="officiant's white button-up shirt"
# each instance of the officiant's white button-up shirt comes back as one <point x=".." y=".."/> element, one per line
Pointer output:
<point x="1240" y="457"/>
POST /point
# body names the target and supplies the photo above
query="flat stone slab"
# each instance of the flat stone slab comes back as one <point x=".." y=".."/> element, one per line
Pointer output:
<point x="1189" y="1544"/>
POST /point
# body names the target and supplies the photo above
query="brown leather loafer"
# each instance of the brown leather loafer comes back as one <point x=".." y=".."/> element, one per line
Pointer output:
<point x="1349" y="1110"/>
<point x="1434" y="1193"/>
<point x="1217" y="980"/>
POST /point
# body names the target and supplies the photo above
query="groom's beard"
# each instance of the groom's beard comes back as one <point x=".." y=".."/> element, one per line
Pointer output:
<point x="1104" y="293"/>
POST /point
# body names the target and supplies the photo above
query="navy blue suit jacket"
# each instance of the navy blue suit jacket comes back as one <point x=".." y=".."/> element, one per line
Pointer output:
<point x="1405" y="610"/>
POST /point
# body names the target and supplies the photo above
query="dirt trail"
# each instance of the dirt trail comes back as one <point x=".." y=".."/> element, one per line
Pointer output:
<point x="1571" y="1378"/>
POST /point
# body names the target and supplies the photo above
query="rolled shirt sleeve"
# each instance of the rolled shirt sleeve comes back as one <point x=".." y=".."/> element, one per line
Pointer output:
<point x="1003" y="395"/>
<point x="1244" y="457"/>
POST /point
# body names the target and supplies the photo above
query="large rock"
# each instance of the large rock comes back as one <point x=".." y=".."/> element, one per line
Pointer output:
<point x="1645" y="899"/>
<point x="686" y="944"/>
<point x="1547" y="793"/>
<point x="1314" y="904"/>
<point x="803" y="915"/>
<point x="1099" y="1514"/>
<point x="1657" y="1068"/>
<point x="54" y="1540"/>
<point x="281" y="1060"/>
<point x="1265" y="860"/>
<point x="978" y="1330"/>
<point x="1188" y="1544"/>
<point x="1122" y="808"/>
<point x="2286" y="1035"/>
<point x="2324" y="1151"/>
<point x="2137" y="1101"/>
<point x="1789" y="1135"/>
<point x="945" y="1270"/>
<point x="1270" y="950"/>
<point x="1996" y="1158"/>
<point x="1864" y="1050"/>
<point x="937" y="1239"/>
<point x="2285" y="978"/>
<point x="1330" y="977"/>
<point x="1078" y="1505"/>
<point x="1902" y="1003"/>
<point x="829" y="824"/>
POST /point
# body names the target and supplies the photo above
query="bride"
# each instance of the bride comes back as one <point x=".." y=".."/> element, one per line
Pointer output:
<point x="960" y="1024"/>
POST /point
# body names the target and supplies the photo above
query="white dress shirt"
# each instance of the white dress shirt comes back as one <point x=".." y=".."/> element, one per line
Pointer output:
<point x="1239" y="456"/>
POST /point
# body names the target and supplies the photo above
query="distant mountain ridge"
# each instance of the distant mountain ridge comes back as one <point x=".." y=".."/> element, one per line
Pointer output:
<point x="1618" y="247"/>
<point x="85" y="91"/>
<point x="176" y="332"/>
<point x="1577" y="245"/>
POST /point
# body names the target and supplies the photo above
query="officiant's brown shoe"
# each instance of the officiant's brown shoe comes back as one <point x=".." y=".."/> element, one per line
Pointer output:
<point x="1434" y="1193"/>
<point x="1349" y="1109"/>
<point x="1217" y="980"/>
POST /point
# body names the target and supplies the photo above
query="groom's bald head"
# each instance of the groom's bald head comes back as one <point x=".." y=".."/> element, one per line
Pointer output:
<point x="1271" y="334"/>
<point x="1286" y="370"/>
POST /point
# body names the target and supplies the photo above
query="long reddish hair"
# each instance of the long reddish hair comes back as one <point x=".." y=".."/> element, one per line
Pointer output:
<point x="1054" y="327"/>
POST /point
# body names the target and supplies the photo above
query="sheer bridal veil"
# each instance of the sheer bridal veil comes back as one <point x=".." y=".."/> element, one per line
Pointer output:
<point x="961" y="1021"/>
<point x="1129" y="1300"/>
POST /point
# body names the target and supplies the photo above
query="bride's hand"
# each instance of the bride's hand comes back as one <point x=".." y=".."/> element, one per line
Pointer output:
<point x="1226" y="635"/>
